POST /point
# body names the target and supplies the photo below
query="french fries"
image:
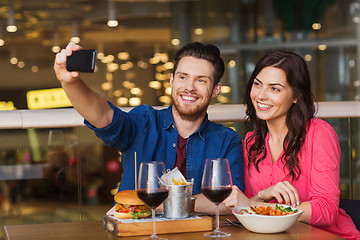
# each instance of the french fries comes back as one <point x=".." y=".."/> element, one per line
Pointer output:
<point x="179" y="182"/>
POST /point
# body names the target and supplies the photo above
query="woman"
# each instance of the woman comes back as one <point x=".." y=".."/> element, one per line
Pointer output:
<point x="291" y="157"/>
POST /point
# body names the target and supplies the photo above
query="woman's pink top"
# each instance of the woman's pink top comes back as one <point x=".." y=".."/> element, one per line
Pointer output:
<point x="318" y="182"/>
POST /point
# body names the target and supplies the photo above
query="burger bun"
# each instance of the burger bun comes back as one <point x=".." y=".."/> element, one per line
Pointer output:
<point x="128" y="197"/>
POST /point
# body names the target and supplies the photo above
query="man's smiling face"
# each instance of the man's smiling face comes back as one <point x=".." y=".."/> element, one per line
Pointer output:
<point x="192" y="87"/>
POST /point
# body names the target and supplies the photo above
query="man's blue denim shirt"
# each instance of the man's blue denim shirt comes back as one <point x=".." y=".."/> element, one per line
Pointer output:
<point x="153" y="136"/>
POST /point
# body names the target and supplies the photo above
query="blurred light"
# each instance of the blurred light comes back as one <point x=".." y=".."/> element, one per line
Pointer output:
<point x="128" y="84"/>
<point x="142" y="64"/>
<point x="160" y="68"/>
<point x="351" y="63"/>
<point x="100" y="55"/>
<point x="7" y="106"/>
<point x="112" y="67"/>
<point x="316" y="26"/>
<point x="160" y="77"/>
<point x="124" y="67"/>
<point x="222" y="99"/>
<point x="225" y="89"/>
<point x="34" y="69"/>
<point x="308" y="57"/>
<point x="165" y="99"/>
<point x="110" y="57"/>
<point x="322" y="47"/>
<point x="129" y="64"/>
<point x="117" y="93"/>
<point x="14" y="60"/>
<point x="175" y="42"/>
<point x="155" y="84"/>
<point x="136" y="91"/>
<point x="356" y="19"/>
<point x="166" y="84"/>
<point x="106" y="86"/>
<point x="112" y="23"/>
<point x="198" y="31"/>
<point x="2" y="42"/>
<point x="112" y="14"/>
<point x="123" y="55"/>
<point x="11" y="28"/>
<point x="21" y="64"/>
<point x="169" y="65"/>
<point x="164" y="57"/>
<point x="231" y="63"/>
<point x="109" y="76"/>
<point x="168" y="90"/>
<point x="134" y="101"/>
<point x="55" y="49"/>
<point x="357" y="83"/>
<point x="75" y="39"/>
<point x="47" y="98"/>
<point x="154" y="60"/>
<point x="122" y="101"/>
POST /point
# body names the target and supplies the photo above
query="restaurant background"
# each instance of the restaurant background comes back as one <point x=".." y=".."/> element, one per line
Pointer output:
<point x="67" y="174"/>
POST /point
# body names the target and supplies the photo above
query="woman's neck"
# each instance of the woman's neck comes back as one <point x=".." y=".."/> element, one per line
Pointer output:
<point x="277" y="131"/>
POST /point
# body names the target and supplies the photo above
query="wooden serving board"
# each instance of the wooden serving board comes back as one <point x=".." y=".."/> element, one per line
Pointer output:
<point x="132" y="227"/>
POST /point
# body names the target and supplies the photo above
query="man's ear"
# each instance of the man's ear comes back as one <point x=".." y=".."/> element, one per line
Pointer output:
<point x="216" y="90"/>
<point x="171" y="79"/>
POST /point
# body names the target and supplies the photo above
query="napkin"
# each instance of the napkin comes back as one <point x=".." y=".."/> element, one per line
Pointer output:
<point x="176" y="174"/>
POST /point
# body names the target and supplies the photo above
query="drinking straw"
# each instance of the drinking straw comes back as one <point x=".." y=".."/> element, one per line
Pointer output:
<point x="135" y="173"/>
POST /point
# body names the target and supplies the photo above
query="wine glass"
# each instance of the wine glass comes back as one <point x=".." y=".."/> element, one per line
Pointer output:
<point x="151" y="189"/>
<point x="216" y="185"/>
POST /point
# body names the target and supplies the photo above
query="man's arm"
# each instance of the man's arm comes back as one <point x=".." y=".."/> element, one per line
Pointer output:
<point x="90" y="104"/>
<point x="204" y="205"/>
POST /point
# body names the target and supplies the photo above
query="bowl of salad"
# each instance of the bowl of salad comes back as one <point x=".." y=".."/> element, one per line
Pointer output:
<point x="267" y="218"/>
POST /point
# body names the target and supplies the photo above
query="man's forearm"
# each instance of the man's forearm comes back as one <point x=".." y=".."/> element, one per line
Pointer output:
<point x="204" y="205"/>
<point x="90" y="104"/>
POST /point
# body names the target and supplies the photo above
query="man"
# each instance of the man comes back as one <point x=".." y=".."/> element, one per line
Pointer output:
<point x="180" y="135"/>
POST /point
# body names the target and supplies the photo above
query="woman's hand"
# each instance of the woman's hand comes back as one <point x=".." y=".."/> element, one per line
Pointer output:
<point x="237" y="198"/>
<point x="283" y="192"/>
<point x="60" y="63"/>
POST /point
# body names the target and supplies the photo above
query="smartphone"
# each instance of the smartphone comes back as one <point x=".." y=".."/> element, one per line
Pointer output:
<point x="81" y="61"/>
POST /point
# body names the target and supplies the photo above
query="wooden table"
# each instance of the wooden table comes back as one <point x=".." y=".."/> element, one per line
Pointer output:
<point x="95" y="231"/>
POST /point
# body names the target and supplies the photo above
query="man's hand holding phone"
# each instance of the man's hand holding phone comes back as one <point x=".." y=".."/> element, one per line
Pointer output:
<point x="81" y="61"/>
<point x="61" y="62"/>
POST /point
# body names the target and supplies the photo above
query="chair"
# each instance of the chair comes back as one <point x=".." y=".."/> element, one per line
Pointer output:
<point x="352" y="208"/>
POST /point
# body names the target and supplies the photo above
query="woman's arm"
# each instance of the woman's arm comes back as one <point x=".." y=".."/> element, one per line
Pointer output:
<point x="324" y="189"/>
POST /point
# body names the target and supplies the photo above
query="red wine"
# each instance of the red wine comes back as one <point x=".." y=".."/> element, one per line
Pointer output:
<point x="152" y="200"/>
<point x="216" y="195"/>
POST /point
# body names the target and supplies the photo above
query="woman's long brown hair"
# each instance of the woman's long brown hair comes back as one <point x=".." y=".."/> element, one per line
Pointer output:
<point x="297" y="119"/>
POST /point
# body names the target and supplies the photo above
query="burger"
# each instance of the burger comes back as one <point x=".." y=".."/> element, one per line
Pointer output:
<point x="128" y="205"/>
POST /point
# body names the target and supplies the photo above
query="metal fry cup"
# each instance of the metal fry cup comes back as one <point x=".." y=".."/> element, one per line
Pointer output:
<point x="178" y="203"/>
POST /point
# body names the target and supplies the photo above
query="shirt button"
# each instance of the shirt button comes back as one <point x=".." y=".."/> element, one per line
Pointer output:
<point x="174" y="144"/>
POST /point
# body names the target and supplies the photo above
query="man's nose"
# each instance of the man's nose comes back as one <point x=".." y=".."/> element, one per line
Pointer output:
<point x="190" y="85"/>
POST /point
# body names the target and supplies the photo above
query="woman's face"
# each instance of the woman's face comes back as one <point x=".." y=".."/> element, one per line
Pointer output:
<point x="271" y="95"/>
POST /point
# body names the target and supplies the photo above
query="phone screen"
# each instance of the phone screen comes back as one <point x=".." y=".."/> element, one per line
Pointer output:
<point x="81" y="61"/>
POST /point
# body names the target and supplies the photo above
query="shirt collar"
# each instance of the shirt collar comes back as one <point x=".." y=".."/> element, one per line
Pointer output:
<point x="169" y="122"/>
